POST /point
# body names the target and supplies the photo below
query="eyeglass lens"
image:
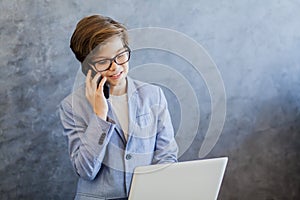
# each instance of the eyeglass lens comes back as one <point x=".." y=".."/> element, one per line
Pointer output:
<point x="119" y="59"/>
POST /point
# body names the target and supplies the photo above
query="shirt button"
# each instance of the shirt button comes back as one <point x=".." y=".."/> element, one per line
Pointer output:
<point x="128" y="157"/>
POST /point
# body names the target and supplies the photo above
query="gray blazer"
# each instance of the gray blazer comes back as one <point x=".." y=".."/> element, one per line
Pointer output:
<point x="100" y="155"/>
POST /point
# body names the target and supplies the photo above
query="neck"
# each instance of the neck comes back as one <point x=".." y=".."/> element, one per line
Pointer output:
<point x="118" y="90"/>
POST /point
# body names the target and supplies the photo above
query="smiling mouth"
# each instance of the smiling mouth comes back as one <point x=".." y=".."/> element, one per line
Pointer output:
<point x="116" y="75"/>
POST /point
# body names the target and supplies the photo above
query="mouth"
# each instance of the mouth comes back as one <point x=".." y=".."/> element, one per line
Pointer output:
<point x="116" y="76"/>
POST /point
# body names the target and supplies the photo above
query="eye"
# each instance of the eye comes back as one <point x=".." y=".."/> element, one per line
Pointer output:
<point x="102" y="62"/>
<point x="122" y="55"/>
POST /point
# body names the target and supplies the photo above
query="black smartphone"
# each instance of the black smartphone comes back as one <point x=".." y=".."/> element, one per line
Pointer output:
<point x="105" y="87"/>
<point x="85" y="68"/>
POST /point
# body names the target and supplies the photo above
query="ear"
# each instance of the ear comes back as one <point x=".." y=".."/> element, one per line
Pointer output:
<point x="84" y="68"/>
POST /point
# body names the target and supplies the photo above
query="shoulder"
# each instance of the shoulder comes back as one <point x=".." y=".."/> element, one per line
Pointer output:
<point x="145" y="92"/>
<point x="143" y="87"/>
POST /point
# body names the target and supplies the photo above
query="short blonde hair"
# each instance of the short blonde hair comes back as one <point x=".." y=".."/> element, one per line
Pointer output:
<point x="93" y="31"/>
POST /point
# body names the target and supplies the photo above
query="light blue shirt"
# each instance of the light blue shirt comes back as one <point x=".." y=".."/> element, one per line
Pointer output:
<point x="101" y="156"/>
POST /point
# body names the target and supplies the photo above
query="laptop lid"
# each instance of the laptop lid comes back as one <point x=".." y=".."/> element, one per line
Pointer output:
<point x="198" y="179"/>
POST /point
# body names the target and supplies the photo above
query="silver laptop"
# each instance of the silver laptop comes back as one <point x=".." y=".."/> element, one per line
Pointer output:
<point x="192" y="180"/>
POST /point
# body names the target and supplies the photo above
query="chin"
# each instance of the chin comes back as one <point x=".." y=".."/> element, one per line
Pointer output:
<point x="116" y="82"/>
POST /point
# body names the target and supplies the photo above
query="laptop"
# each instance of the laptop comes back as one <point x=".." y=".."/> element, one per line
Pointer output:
<point x="192" y="180"/>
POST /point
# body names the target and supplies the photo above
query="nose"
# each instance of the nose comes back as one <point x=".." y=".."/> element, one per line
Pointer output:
<point x="113" y="66"/>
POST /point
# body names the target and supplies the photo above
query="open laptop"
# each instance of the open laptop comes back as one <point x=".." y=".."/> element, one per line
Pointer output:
<point x="192" y="180"/>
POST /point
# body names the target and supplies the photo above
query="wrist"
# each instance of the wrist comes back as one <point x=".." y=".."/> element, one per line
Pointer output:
<point x="101" y="115"/>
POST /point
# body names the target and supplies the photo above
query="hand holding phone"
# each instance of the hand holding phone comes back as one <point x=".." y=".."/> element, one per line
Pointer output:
<point x="85" y="68"/>
<point x="95" y="95"/>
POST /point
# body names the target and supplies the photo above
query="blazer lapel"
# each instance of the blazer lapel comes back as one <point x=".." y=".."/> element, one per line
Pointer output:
<point x="113" y="116"/>
<point x="132" y="106"/>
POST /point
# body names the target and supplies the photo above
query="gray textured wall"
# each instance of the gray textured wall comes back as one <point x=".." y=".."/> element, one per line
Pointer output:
<point x="255" y="45"/>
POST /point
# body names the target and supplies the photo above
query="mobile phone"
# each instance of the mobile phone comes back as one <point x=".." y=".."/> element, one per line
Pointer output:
<point x="85" y="68"/>
<point x="105" y="87"/>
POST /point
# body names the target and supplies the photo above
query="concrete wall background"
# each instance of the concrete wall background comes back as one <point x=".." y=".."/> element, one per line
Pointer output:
<point x="255" y="45"/>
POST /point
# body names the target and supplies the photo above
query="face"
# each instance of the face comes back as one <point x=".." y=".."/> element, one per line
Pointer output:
<point x="116" y="74"/>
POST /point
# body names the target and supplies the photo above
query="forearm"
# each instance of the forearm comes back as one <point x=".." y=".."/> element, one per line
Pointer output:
<point x="87" y="142"/>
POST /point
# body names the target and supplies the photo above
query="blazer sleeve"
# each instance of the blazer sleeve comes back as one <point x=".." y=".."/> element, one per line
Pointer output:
<point x="166" y="148"/>
<point x="87" y="141"/>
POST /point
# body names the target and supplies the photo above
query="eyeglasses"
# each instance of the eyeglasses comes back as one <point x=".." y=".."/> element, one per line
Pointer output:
<point x="105" y="64"/>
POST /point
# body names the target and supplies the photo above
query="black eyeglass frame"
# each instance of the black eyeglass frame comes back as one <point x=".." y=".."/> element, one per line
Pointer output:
<point x="112" y="60"/>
